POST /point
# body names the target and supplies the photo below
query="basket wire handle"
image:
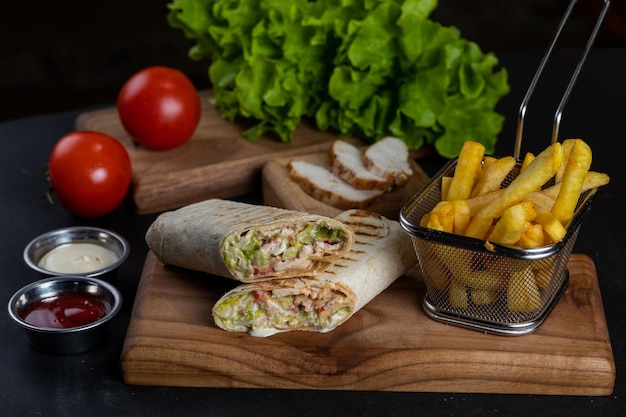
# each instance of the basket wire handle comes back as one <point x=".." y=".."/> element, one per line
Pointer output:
<point x="559" y="112"/>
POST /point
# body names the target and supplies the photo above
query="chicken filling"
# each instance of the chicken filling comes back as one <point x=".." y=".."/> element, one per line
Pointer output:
<point x="292" y="308"/>
<point x="254" y="254"/>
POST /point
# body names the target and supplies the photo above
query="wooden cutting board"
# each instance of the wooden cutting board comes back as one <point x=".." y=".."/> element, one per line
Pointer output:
<point x="280" y="191"/>
<point x="217" y="162"/>
<point x="390" y="345"/>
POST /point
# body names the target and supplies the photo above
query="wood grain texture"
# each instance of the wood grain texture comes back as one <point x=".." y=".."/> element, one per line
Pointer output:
<point x="280" y="191"/>
<point x="390" y="345"/>
<point x="217" y="162"/>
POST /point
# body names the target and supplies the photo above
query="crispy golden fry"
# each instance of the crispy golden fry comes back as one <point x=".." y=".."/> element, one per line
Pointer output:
<point x="540" y="171"/>
<point x="492" y="175"/>
<point x="567" y="148"/>
<point x="541" y="199"/>
<point x="529" y="210"/>
<point x="433" y="222"/>
<point x="458" y="295"/>
<point x="592" y="180"/>
<point x="500" y="264"/>
<point x="551" y="225"/>
<point x="480" y="225"/>
<point x="461" y="216"/>
<point x="511" y="225"/>
<point x="576" y="169"/>
<point x="482" y="280"/>
<point x="487" y="161"/>
<point x="458" y="263"/>
<point x="523" y="295"/>
<point x="436" y="273"/>
<point x="448" y="216"/>
<point x="468" y="165"/>
<point x="445" y="187"/>
<point x="532" y="236"/>
<point x="595" y="179"/>
<point x="543" y="277"/>
<point x="476" y="204"/>
<point x="442" y="217"/>
<point x="483" y="297"/>
<point x="528" y="158"/>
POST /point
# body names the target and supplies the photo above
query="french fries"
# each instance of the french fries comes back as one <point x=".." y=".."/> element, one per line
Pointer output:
<point x="523" y="293"/>
<point x="538" y="172"/>
<point x="482" y="200"/>
<point x="511" y="226"/>
<point x="493" y="174"/>
<point x="576" y="168"/>
<point x="467" y="170"/>
<point x="475" y="204"/>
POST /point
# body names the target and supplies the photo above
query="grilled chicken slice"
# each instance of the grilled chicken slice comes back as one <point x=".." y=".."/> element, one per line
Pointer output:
<point x="323" y="185"/>
<point x="346" y="161"/>
<point x="389" y="158"/>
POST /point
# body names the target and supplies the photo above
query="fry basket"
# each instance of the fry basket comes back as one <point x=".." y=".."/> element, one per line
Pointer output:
<point x="496" y="289"/>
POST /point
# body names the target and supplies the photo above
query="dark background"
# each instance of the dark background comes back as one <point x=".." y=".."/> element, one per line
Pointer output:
<point x="64" y="54"/>
<point x="69" y="54"/>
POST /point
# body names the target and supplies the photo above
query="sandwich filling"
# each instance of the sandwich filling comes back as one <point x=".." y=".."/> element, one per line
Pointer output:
<point x="297" y="307"/>
<point x="258" y="254"/>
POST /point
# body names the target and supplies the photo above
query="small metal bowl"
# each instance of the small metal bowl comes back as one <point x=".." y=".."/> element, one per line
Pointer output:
<point x="65" y="340"/>
<point x="41" y="245"/>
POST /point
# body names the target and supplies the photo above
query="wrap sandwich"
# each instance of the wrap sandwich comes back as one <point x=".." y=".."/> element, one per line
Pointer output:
<point x="382" y="252"/>
<point x="247" y="242"/>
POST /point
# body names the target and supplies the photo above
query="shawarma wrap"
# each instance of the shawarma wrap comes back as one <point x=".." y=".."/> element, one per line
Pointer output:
<point x="248" y="242"/>
<point x="382" y="252"/>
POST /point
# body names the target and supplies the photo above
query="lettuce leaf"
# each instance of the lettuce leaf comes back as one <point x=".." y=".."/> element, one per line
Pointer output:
<point x="366" y="68"/>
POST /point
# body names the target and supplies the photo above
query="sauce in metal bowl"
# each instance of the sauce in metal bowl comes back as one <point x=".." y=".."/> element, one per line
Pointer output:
<point x="77" y="258"/>
<point x="65" y="311"/>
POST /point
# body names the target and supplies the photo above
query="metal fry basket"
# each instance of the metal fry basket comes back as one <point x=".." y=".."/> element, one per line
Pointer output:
<point x="500" y="289"/>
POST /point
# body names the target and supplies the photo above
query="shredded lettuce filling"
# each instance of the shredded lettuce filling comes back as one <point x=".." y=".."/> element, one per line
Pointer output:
<point x="252" y="253"/>
<point x="249" y="311"/>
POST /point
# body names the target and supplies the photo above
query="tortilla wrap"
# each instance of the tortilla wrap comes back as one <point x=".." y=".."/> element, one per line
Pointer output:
<point x="247" y="242"/>
<point x="382" y="252"/>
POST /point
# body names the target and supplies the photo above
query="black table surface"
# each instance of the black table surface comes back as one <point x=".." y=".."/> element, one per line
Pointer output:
<point x="36" y="384"/>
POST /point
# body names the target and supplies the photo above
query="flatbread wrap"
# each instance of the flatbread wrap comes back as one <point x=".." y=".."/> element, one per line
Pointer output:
<point x="247" y="242"/>
<point x="382" y="252"/>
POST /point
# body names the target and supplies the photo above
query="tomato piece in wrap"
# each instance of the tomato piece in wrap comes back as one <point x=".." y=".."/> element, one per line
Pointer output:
<point x="247" y="242"/>
<point x="382" y="252"/>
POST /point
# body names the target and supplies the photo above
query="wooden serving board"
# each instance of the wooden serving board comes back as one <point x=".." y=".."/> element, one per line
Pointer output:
<point x="280" y="191"/>
<point x="217" y="162"/>
<point x="390" y="345"/>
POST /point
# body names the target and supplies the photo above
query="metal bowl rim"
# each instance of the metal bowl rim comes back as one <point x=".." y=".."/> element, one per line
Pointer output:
<point x="115" y="308"/>
<point x="73" y="229"/>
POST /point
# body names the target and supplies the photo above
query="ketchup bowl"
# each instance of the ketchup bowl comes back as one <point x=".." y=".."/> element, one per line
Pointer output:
<point x="65" y="315"/>
<point x="77" y="250"/>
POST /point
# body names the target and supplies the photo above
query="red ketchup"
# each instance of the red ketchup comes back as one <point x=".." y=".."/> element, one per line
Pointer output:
<point x="65" y="311"/>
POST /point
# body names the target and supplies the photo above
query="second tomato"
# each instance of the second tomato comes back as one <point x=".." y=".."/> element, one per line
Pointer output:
<point x="159" y="107"/>
<point x="90" y="173"/>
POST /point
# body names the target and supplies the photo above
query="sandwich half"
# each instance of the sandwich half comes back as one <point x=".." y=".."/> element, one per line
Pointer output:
<point x="382" y="252"/>
<point x="248" y="242"/>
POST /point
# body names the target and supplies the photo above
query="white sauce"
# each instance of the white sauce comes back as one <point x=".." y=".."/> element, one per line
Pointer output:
<point x="77" y="258"/>
<point x="262" y="331"/>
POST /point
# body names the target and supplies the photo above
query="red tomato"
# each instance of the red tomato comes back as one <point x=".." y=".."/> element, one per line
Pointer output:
<point x="159" y="107"/>
<point x="90" y="173"/>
